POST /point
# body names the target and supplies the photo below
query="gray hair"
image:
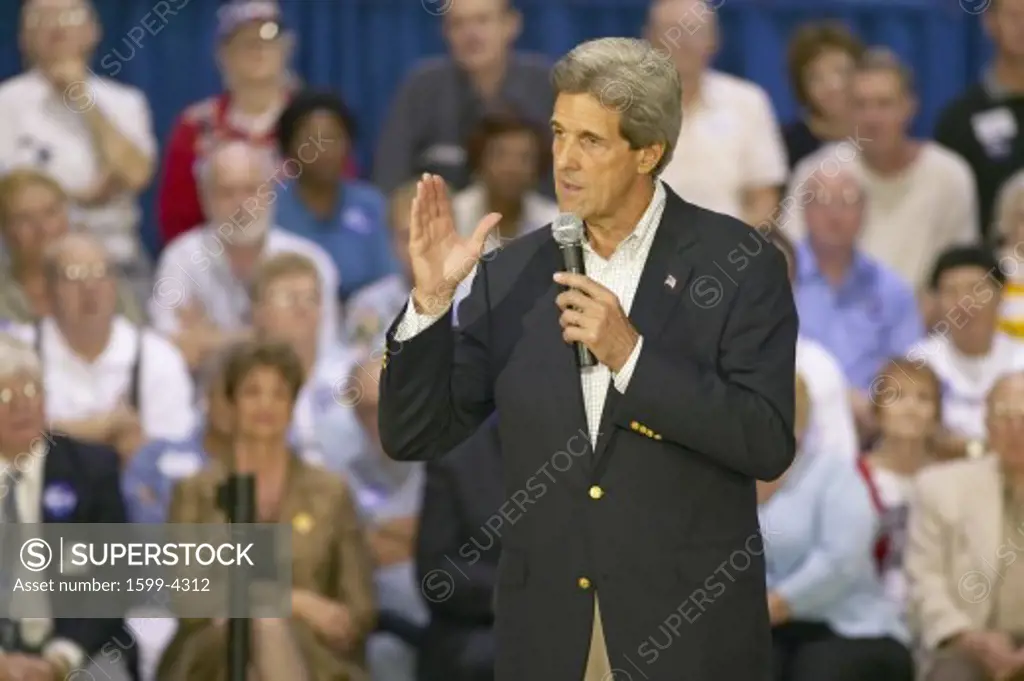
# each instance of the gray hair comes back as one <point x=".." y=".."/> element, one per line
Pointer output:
<point x="18" y="358"/>
<point x="242" y="153"/>
<point x="632" y="78"/>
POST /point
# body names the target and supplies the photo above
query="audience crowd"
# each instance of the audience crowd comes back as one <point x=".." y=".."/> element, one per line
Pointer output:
<point x="253" y="341"/>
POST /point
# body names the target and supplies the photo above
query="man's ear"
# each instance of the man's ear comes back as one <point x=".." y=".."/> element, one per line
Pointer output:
<point x="650" y="156"/>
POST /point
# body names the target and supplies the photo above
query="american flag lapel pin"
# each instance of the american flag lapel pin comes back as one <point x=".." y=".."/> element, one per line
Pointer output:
<point x="670" y="281"/>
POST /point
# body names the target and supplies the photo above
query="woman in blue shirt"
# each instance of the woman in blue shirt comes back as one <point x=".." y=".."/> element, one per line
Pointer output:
<point x="347" y="218"/>
<point x="831" y="619"/>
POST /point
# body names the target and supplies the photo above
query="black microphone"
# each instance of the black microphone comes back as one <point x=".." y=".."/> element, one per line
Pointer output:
<point x="569" y="232"/>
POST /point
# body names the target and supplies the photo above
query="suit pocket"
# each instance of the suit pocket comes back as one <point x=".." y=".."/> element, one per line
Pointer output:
<point x="512" y="569"/>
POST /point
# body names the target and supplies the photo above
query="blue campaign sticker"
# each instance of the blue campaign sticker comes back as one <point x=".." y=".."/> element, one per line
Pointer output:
<point x="356" y="220"/>
<point x="59" y="499"/>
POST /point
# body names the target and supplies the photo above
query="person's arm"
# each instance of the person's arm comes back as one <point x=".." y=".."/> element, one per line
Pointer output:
<point x="832" y="412"/>
<point x="178" y="206"/>
<point x="74" y="640"/>
<point x="935" y="616"/>
<point x="961" y="221"/>
<point x="456" y="582"/>
<point x="129" y="157"/>
<point x="166" y="393"/>
<point x="143" y="486"/>
<point x="842" y="554"/>
<point x="99" y="428"/>
<point x="739" y="413"/>
<point x="395" y="159"/>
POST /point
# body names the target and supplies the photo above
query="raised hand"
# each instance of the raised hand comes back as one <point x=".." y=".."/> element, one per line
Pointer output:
<point x="441" y="258"/>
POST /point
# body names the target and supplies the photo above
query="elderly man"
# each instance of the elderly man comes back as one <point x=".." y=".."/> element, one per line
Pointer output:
<point x="963" y="561"/>
<point x="93" y="134"/>
<point x="201" y="294"/>
<point x="49" y="478"/>
<point x="107" y="380"/>
<point x="482" y="72"/>
<point x="921" y="196"/>
<point x="731" y="155"/>
<point x="630" y="460"/>
<point x="859" y="309"/>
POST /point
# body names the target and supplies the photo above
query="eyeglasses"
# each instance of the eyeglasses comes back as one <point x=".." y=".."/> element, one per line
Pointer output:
<point x="29" y="391"/>
<point x="850" y="197"/>
<point x="82" y="273"/>
<point x="284" y="299"/>
<point x="57" y="18"/>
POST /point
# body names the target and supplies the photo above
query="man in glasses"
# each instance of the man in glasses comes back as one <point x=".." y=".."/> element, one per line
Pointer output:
<point x="94" y="135"/>
<point x="965" y="559"/>
<point x="107" y="380"/>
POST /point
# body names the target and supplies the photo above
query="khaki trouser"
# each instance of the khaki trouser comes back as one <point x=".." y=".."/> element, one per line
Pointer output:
<point x="598" y="666"/>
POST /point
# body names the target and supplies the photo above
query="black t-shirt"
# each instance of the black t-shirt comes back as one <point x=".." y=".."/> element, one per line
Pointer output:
<point x="800" y="142"/>
<point x="985" y="128"/>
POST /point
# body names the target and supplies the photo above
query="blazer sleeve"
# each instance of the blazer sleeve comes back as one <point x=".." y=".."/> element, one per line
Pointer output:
<point x="465" y="595"/>
<point x="435" y="388"/>
<point x="739" y="413"/>
<point x="932" y="614"/>
<point x="86" y="636"/>
<point x="355" y="588"/>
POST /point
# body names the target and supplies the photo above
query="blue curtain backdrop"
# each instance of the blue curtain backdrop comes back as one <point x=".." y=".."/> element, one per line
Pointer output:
<point x="362" y="48"/>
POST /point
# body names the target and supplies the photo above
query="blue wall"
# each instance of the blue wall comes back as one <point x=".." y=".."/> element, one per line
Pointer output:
<point x="362" y="47"/>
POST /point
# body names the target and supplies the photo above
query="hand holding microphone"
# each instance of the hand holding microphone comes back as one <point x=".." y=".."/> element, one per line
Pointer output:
<point x="592" y="316"/>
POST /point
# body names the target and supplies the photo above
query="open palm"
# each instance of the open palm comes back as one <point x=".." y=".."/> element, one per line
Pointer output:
<point x="441" y="258"/>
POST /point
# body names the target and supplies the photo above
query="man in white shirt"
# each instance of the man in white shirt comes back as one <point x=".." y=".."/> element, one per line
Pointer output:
<point x="201" y="294"/>
<point x="106" y="379"/>
<point x="92" y="134"/>
<point x="730" y="155"/>
<point x="921" y="197"/>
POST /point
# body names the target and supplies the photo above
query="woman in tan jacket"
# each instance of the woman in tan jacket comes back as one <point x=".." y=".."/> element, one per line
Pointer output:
<point x="333" y="608"/>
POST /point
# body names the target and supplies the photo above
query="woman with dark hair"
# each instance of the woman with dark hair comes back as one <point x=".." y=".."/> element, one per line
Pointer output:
<point x="333" y="607"/>
<point x="347" y="218"/>
<point x="821" y="61"/>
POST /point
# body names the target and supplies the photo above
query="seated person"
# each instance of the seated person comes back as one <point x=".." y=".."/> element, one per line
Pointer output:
<point x="457" y="553"/>
<point x="829" y="612"/>
<point x="345" y="217"/>
<point x="333" y="598"/>
<point x="201" y="291"/>
<point x="107" y="380"/>
<point x="389" y="494"/>
<point x="1009" y="230"/>
<point x="967" y="350"/>
<point x="964" y="574"/>
<point x="35" y="212"/>
<point x="370" y="310"/>
<point x="55" y="479"/>
<point x="286" y="296"/>
<point x="909" y="405"/>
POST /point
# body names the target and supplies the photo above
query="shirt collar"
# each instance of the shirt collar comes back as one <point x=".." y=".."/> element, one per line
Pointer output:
<point x="861" y="269"/>
<point x="647" y="224"/>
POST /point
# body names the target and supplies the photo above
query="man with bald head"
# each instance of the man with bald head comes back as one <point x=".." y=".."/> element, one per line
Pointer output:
<point x="856" y="307"/>
<point x="483" y="73"/>
<point x="730" y="156"/>
<point x="201" y="290"/>
<point x="965" y="553"/>
<point x="107" y="380"/>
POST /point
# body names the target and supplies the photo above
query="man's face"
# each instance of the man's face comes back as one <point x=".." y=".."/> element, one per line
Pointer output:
<point x="256" y="53"/>
<point x="686" y="30"/>
<point x="594" y="164"/>
<point x="509" y="164"/>
<point x="969" y="300"/>
<point x="22" y="416"/>
<point x="1005" y="25"/>
<point x="1005" y="422"/>
<point x="882" y="108"/>
<point x="289" y="309"/>
<point x="835" y="212"/>
<point x="35" y="217"/>
<point x="234" y="190"/>
<point x="480" y="33"/>
<point x="58" y="30"/>
<point x="84" y="288"/>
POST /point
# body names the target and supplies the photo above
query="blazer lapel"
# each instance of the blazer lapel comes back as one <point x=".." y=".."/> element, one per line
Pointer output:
<point x="663" y="284"/>
<point x="985" y="504"/>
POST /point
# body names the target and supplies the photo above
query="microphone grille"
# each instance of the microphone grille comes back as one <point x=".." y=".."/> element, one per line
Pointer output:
<point x="567" y="229"/>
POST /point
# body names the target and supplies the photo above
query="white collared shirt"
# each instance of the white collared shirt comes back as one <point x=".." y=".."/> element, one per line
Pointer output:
<point x="193" y="268"/>
<point x="76" y="389"/>
<point x="621" y="275"/>
<point x="469" y="207"/>
<point x="729" y="143"/>
<point x="42" y="128"/>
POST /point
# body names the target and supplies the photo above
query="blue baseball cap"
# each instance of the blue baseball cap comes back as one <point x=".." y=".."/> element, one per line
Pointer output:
<point x="237" y="13"/>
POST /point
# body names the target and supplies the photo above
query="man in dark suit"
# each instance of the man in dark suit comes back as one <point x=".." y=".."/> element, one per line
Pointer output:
<point x="49" y="478"/>
<point x="457" y="551"/>
<point x="635" y="552"/>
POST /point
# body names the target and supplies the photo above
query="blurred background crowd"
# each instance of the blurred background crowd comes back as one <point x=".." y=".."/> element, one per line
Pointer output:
<point x="193" y="287"/>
